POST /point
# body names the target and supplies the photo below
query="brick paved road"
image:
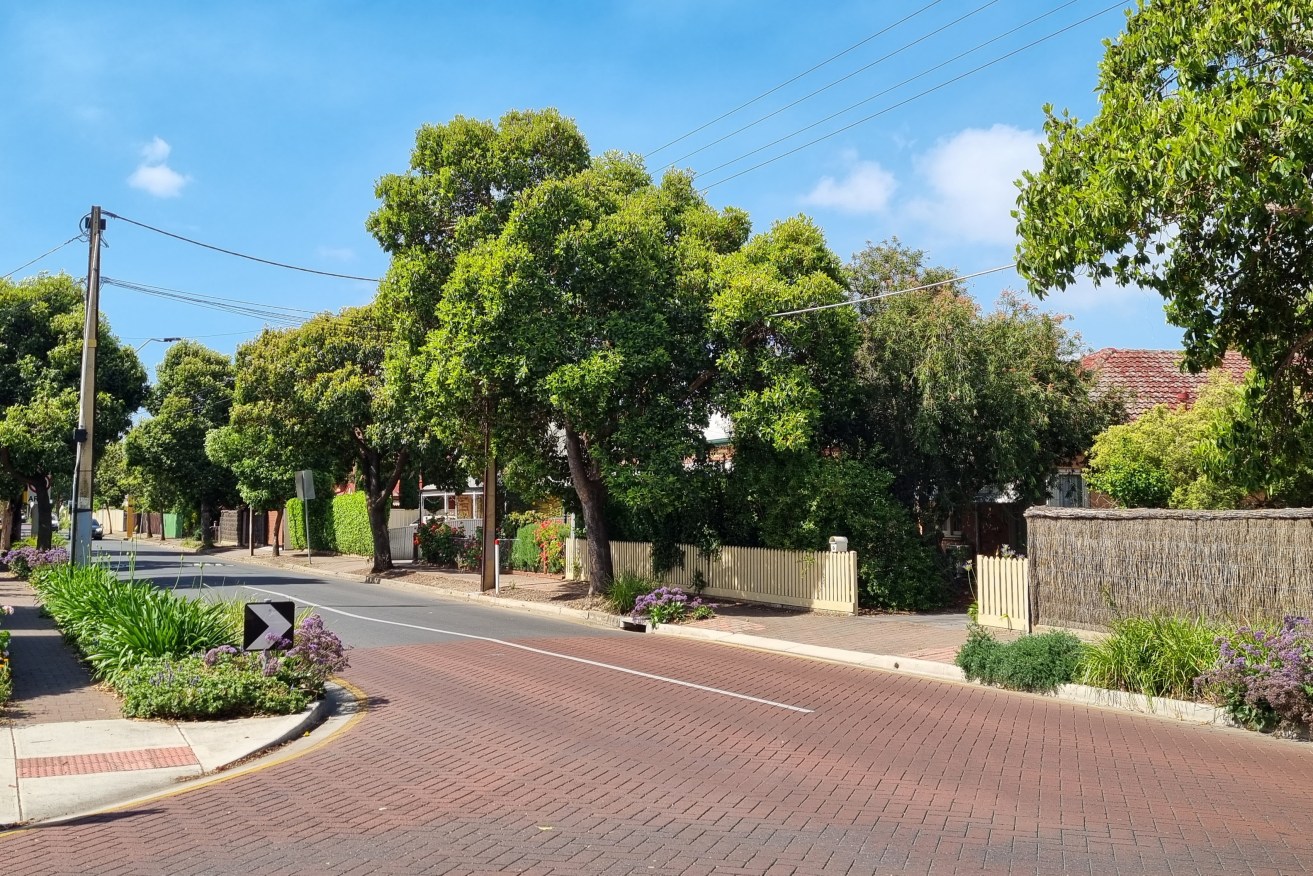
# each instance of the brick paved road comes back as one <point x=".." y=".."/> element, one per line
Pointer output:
<point x="476" y="758"/>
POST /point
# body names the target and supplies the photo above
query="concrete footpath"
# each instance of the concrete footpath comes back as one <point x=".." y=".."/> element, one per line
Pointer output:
<point x="65" y="750"/>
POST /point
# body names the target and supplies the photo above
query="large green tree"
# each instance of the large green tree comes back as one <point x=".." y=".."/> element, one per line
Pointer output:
<point x="1193" y="180"/>
<point x="192" y="395"/>
<point x="619" y="313"/>
<point x="41" y="324"/>
<point x="958" y="400"/>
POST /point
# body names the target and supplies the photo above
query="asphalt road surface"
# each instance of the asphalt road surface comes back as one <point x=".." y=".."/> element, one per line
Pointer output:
<point x="496" y="742"/>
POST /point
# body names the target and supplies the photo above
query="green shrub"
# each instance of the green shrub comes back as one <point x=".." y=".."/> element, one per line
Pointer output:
<point x="439" y="544"/>
<point x="549" y="536"/>
<point x="186" y="688"/>
<point x="1158" y="656"/>
<point x="340" y="525"/>
<point x="626" y="589"/>
<point x="524" y="553"/>
<point x="117" y="624"/>
<point x="1038" y="664"/>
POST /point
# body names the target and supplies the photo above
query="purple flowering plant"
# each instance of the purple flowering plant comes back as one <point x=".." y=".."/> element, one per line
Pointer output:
<point x="1264" y="678"/>
<point x="23" y="561"/>
<point x="670" y="605"/>
<point x="304" y="662"/>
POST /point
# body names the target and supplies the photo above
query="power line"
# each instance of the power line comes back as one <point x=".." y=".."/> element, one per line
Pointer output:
<point x="901" y="103"/>
<point x="813" y="69"/>
<point x="894" y="87"/>
<point x="853" y="301"/>
<point x="289" y="316"/>
<point x="43" y="255"/>
<point x="239" y="255"/>
<point x="844" y="78"/>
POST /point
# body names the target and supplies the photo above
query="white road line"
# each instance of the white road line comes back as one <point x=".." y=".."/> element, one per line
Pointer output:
<point x="585" y="661"/>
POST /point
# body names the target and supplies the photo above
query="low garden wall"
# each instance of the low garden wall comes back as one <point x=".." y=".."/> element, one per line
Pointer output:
<point x="1089" y="566"/>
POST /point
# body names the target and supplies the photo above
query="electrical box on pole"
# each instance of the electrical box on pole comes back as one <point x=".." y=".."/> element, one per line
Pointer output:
<point x="86" y="428"/>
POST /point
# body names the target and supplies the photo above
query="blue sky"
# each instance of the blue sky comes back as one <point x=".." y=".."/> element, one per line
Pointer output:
<point x="262" y="128"/>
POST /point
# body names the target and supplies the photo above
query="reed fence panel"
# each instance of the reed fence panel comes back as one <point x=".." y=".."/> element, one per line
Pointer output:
<point x="1089" y="566"/>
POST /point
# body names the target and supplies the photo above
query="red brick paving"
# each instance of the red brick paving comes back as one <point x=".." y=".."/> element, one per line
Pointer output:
<point x="108" y="762"/>
<point x="475" y="758"/>
<point x="50" y="684"/>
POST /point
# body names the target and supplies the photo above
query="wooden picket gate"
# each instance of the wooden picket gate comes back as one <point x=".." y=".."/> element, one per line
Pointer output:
<point x="1003" y="592"/>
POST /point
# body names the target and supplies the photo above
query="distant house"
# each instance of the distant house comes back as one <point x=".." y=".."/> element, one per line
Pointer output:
<point x="1154" y="377"/>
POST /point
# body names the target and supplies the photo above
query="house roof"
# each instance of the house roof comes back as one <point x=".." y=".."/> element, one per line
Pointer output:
<point x="1154" y="377"/>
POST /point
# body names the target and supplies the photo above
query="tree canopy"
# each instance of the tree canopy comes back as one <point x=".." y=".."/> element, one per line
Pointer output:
<point x="958" y="400"/>
<point x="1193" y="180"/>
<point x="192" y="395"/>
<point x="41" y="324"/>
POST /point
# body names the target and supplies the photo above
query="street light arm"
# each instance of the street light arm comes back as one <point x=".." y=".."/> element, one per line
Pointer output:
<point x="137" y="349"/>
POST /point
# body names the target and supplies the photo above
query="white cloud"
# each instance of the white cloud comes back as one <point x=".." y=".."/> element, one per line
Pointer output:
<point x="970" y="177"/>
<point x="153" y="175"/>
<point x="866" y="189"/>
<point x="156" y="151"/>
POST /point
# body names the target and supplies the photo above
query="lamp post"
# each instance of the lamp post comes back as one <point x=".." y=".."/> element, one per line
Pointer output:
<point x="137" y="349"/>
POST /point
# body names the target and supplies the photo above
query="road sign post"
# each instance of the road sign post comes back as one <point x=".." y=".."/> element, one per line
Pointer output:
<point x="305" y="491"/>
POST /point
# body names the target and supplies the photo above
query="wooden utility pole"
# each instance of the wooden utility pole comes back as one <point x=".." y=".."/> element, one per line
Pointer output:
<point x="86" y="428"/>
<point x="488" y="578"/>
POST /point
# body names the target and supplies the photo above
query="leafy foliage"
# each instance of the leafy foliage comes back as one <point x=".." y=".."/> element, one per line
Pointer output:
<point x="1157" y="656"/>
<point x="1263" y="677"/>
<point x="958" y="400"/>
<point x="626" y="589"/>
<point x="1192" y="181"/>
<point x="670" y="605"/>
<point x="1039" y="663"/>
<point x="340" y="524"/>
<point x="1163" y="459"/>
<point x="185" y="688"/>
<point x="192" y="395"/>
<point x="41" y="322"/>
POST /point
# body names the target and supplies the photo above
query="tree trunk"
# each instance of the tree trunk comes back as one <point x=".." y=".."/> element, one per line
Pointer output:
<point x="9" y="524"/>
<point x="207" y="539"/>
<point x="590" y="489"/>
<point x="41" y="525"/>
<point x="278" y="531"/>
<point x="378" y="501"/>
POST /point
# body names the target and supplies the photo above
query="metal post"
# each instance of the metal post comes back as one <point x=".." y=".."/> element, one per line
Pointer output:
<point x="305" y="512"/>
<point x="80" y="536"/>
<point x="496" y="566"/>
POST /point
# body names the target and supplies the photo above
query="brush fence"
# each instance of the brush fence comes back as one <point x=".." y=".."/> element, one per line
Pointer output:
<point x="815" y="580"/>
<point x="1089" y="566"/>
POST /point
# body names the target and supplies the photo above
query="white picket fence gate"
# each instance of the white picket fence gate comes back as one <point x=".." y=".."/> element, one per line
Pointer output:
<point x="1003" y="592"/>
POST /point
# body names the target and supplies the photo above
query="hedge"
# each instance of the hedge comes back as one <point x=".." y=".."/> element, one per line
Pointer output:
<point x="341" y="525"/>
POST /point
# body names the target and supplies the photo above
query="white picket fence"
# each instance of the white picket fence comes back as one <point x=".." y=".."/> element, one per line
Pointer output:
<point x="816" y="580"/>
<point x="1003" y="592"/>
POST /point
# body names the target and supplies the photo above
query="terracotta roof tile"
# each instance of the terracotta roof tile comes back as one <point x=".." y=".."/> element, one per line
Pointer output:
<point x="1154" y="377"/>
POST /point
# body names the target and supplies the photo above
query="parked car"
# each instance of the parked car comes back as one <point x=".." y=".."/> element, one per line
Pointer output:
<point x="96" y="530"/>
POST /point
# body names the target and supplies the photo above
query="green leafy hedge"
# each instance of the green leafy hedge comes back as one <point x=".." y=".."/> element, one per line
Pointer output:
<point x="341" y="525"/>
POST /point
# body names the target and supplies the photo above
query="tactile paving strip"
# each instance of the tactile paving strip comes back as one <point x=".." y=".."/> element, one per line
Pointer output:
<point x="108" y="762"/>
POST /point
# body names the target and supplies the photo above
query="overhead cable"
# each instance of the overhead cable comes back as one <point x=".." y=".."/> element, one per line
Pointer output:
<point x="900" y="103"/>
<point x="844" y="78"/>
<point x="43" y="255"/>
<point x="239" y="255"/>
<point x="812" y="69"/>
<point x="852" y="301"/>
<point x="273" y="313"/>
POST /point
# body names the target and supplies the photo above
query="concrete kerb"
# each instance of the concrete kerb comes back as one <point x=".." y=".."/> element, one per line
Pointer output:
<point x="219" y="746"/>
<point x="1159" y="707"/>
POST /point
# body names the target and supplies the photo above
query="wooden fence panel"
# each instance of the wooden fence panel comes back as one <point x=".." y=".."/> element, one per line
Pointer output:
<point x="1002" y="593"/>
<point x="817" y="580"/>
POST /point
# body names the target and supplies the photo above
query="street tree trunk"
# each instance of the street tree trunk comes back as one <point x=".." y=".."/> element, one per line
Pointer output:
<point x="379" y="485"/>
<point x="278" y="531"/>
<point x="9" y="522"/>
<point x="207" y="514"/>
<point x="41" y="526"/>
<point x="591" y="490"/>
